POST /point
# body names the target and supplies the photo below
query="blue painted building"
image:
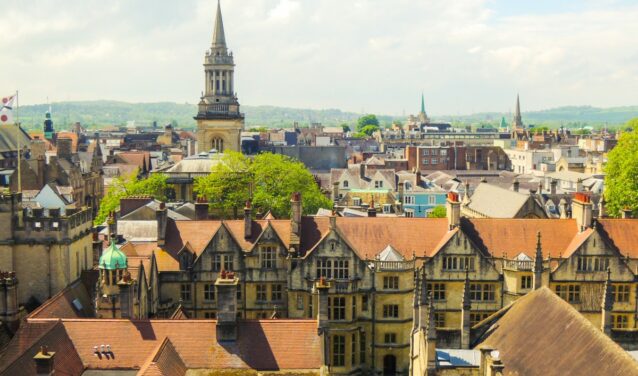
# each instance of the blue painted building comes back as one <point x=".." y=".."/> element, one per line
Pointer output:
<point x="419" y="202"/>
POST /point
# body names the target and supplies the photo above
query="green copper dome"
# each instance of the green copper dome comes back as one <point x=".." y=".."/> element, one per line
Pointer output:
<point x="112" y="258"/>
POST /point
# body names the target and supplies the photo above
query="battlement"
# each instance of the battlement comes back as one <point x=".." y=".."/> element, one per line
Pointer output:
<point x="9" y="200"/>
<point x="40" y="219"/>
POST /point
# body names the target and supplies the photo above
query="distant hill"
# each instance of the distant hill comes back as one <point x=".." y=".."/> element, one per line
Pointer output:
<point x="99" y="113"/>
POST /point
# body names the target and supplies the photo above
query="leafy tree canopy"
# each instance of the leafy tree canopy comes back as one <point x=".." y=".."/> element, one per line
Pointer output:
<point x="368" y="122"/>
<point x="438" y="212"/>
<point x="345" y="127"/>
<point x="126" y="186"/>
<point x="621" y="180"/>
<point x="273" y="179"/>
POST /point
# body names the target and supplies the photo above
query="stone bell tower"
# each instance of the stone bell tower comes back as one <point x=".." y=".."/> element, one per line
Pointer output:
<point x="219" y="122"/>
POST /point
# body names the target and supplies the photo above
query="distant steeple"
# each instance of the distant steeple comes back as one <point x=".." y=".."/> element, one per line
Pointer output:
<point x="518" y="120"/>
<point x="219" y="37"/>
<point x="422" y="103"/>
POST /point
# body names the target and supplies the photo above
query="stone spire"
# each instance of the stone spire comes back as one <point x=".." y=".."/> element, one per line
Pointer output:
<point x="518" y="120"/>
<point x="538" y="263"/>
<point x="422" y="103"/>
<point x="219" y="37"/>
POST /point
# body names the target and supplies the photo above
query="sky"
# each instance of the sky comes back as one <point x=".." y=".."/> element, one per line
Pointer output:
<point x="373" y="56"/>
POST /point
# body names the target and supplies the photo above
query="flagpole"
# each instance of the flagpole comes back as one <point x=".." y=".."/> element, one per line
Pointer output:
<point x="18" y="137"/>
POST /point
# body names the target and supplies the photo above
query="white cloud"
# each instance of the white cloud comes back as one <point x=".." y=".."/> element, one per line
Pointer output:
<point x="467" y="55"/>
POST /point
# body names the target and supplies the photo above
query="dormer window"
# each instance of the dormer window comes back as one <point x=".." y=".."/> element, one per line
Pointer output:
<point x="378" y="183"/>
<point x="356" y="201"/>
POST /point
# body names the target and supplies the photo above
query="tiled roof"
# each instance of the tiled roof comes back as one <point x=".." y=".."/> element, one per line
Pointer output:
<point x="164" y="361"/>
<point x="261" y="344"/>
<point x="197" y="233"/>
<point x="370" y="236"/>
<point x="513" y="236"/>
<point x="536" y="336"/>
<point x="496" y="202"/>
<point x="17" y="359"/>
<point x="61" y="304"/>
<point x="624" y="234"/>
<point x="166" y="262"/>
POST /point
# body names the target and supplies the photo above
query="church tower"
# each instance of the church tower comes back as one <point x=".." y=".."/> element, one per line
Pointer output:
<point x="219" y="122"/>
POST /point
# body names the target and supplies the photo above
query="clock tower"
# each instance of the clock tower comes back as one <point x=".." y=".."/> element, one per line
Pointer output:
<point x="219" y="121"/>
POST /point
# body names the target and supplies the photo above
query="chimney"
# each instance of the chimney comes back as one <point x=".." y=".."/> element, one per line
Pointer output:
<point x="9" y="299"/>
<point x="562" y="207"/>
<point x="579" y="185"/>
<point x="248" y="220"/>
<point x="335" y="191"/>
<point x="362" y="170"/>
<point x="401" y="194"/>
<point x="65" y="148"/>
<point x="132" y="203"/>
<point x="516" y="185"/>
<point x="418" y="178"/>
<point x="295" y="220"/>
<point x="44" y="362"/>
<point x="162" y="217"/>
<point x="538" y="263"/>
<point x="126" y="296"/>
<point x="552" y="186"/>
<point x="607" y="305"/>
<point x="201" y="209"/>
<point x="453" y="210"/>
<point x="226" y="290"/>
<point x="627" y="213"/>
<point x="582" y="210"/>
<point x="372" y="210"/>
<point x="465" y="313"/>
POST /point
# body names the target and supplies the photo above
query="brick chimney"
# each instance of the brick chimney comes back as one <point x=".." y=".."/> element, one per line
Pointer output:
<point x="453" y="210"/>
<point x="582" y="210"/>
<point x="162" y="217"/>
<point x="201" y="209"/>
<point x="65" y="148"/>
<point x="552" y="186"/>
<point x="372" y="210"/>
<point x="516" y="185"/>
<point x="44" y="362"/>
<point x="226" y="290"/>
<point x="362" y="170"/>
<point x="248" y="220"/>
<point x="295" y="220"/>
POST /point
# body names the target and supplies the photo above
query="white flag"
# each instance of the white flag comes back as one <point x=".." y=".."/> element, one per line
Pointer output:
<point x="7" y="102"/>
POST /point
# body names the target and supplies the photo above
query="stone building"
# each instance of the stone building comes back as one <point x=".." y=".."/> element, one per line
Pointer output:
<point x="45" y="248"/>
<point x="219" y="121"/>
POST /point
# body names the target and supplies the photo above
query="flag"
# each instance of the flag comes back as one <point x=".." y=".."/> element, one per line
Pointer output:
<point x="6" y="111"/>
<point x="7" y="102"/>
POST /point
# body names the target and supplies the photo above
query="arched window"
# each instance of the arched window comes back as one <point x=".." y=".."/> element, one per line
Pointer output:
<point x="345" y="184"/>
<point x="218" y="144"/>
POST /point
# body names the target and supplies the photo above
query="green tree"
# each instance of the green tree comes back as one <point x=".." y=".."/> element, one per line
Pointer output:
<point x="621" y="179"/>
<point x="367" y="124"/>
<point x="438" y="212"/>
<point x="273" y="178"/>
<point x="126" y="186"/>
<point x="345" y="127"/>
<point x="227" y="187"/>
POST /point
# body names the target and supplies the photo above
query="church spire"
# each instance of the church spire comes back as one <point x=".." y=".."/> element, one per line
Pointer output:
<point x="422" y="103"/>
<point x="518" y="120"/>
<point x="219" y="37"/>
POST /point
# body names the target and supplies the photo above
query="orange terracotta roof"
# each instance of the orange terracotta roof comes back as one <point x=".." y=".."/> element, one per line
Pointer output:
<point x="236" y="229"/>
<point x="17" y="357"/>
<point x="164" y="361"/>
<point x="61" y="304"/>
<point x="166" y="262"/>
<point x="513" y="236"/>
<point x="408" y="236"/>
<point x="313" y="229"/>
<point x="261" y="344"/>
<point x="577" y="241"/>
<point x="197" y="233"/>
<point x="135" y="158"/>
<point x="624" y="234"/>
